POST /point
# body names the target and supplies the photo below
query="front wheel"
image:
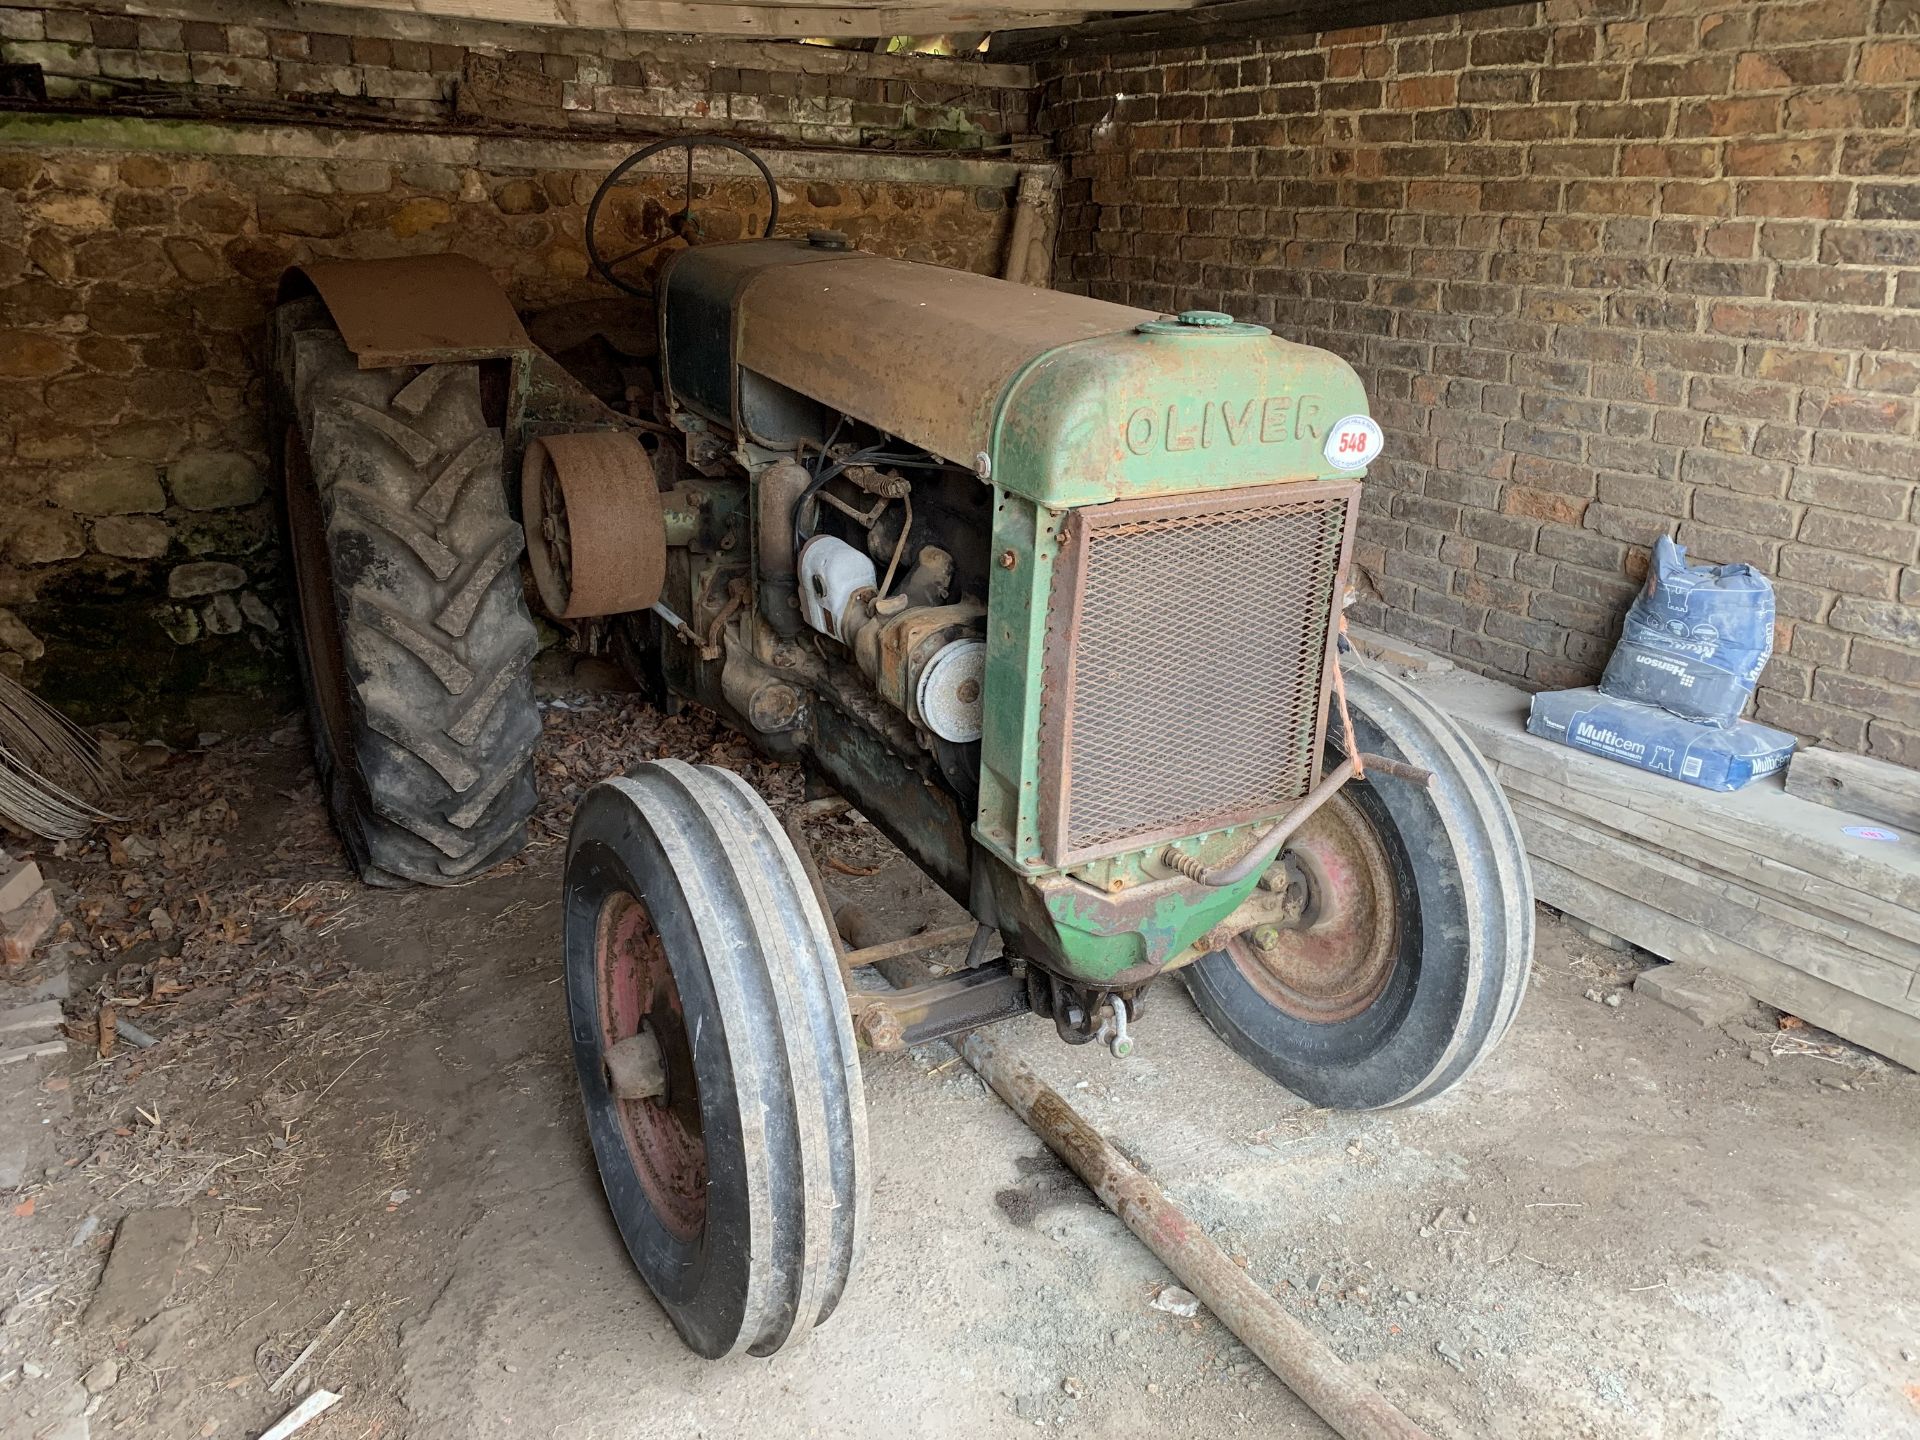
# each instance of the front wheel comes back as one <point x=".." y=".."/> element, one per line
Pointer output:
<point x="1411" y="951"/>
<point x="715" y="1056"/>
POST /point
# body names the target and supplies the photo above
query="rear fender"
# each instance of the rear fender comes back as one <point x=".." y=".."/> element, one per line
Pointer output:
<point x="413" y="309"/>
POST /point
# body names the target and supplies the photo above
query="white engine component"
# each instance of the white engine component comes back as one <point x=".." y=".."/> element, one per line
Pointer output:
<point x="832" y="572"/>
<point x="948" y="696"/>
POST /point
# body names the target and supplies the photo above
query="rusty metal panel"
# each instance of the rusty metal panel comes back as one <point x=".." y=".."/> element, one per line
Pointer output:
<point x="923" y="353"/>
<point x="415" y="309"/>
<point x="1187" y="663"/>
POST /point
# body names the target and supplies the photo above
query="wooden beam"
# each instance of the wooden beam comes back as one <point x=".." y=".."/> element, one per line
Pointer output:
<point x="1169" y="29"/>
<point x="789" y="19"/>
<point x="741" y="47"/>
<point x="1871" y="789"/>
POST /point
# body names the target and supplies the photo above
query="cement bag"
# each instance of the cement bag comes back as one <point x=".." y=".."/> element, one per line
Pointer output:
<point x="1696" y="638"/>
<point x="1714" y="757"/>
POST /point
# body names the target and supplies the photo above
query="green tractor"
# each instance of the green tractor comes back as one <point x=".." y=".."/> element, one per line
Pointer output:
<point x="1048" y="589"/>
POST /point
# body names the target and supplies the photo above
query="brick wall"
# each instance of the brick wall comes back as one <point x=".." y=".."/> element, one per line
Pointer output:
<point x="139" y="568"/>
<point x="1609" y="268"/>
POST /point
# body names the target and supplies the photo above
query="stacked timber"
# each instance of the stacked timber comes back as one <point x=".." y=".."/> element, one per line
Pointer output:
<point x="1763" y="886"/>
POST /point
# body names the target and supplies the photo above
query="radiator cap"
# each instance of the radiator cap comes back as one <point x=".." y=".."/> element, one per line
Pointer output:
<point x="1200" y="322"/>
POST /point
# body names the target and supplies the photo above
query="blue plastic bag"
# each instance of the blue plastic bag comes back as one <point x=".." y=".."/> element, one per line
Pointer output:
<point x="1714" y="757"/>
<point x="1695" y="640"/>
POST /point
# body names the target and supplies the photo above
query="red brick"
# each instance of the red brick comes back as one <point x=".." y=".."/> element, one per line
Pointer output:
<point x="1758" y="321"/>
<point x="1422" y="92"/>
<point x="1447" y="196"/>
<point x="1786" y="69"/>
<point x="1685" y="197"/>
<point x="1794" y="199"/>
<point x="1800" y="367"/>
<point x="1639" y="119"/>
<point x="1783" y="157"/>
<point x="1829" y="284"/>
<point x="1583" y="82"/>
<point x="1885" y="539"/>
<point x="1707" y="75"/>
<point x="1742" y="116"/>
<point x="1821" y="20"/>
<point x="1846" y="110"/>
<point x="1889" y="62"/>
<point x="1752" y="399"/>
<point x="1672" y="158"/>
<point x="1623" y="197"/>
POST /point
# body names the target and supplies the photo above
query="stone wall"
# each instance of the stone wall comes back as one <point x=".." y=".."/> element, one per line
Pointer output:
<point x="139" y="555"/>
<point x="1609" y="268"/>
<point x="402" y="68"/>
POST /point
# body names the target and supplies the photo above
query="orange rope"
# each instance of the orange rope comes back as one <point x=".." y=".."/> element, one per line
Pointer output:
<point x="1346" y="718"/>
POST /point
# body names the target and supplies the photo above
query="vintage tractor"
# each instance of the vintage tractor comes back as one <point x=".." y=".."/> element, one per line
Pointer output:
<point x="1048" y="589"/>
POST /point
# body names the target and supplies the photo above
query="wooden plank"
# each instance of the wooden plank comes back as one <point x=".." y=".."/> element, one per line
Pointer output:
<point x="1762" y="818"/>
<point x="797" y="19"/>
<point x="1760" y="872"/>
<point x="693" y="18"/>
<point x="46" y="1050"/>
<point x="591" y="28"/>
<point x="1669" y="887"/>
<point x="42" y="1015"/>
<point x="1851" y="935"/>
<point x="1877" y="792"/>
<point x="1863" y="1021"/>
<point x="1212" y="24"/>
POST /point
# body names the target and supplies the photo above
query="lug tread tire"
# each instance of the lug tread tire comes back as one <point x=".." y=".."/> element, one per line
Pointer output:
<point x="778" y="1067"/>
<point x="437" y="645"/>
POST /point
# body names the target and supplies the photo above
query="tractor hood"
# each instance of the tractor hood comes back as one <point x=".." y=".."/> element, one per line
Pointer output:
<point x="1071" y="401"/>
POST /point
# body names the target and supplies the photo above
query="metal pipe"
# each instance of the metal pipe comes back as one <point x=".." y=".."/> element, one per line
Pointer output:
<point x="797" y="818"/>
<point x="1398" y="769"/>
<point x="911" y="944"/>
<point x="1232" y="872"/>
<point x="779" y="488"/>
<point x="1334" y="1391"/>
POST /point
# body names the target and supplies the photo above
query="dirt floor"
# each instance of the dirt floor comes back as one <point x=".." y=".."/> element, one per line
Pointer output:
<point x="1623" y="1225"/>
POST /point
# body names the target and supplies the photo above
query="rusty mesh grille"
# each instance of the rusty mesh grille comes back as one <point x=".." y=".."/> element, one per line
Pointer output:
<point x="1194" y="689"/>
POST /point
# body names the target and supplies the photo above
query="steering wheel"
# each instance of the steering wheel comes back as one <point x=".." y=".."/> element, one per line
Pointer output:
<point x="683" y="224"/>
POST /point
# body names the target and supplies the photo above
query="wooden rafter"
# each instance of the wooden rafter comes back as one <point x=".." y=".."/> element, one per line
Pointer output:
<point x="1206" y="24"/>
<point x="786" y="19"/>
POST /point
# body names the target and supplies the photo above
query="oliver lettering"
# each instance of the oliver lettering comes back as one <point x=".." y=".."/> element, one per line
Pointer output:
<point x="1223" y="424"/>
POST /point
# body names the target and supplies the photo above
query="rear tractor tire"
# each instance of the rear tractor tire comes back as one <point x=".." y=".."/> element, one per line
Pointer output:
<point x="1412" y="954"/>
<point x="416" y="648"/>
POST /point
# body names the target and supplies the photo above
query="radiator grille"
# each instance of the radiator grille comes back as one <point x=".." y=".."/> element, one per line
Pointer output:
<point x="1186" y="664"/>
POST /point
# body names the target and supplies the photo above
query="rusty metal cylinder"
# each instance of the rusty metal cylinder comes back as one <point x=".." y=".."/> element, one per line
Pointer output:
<point x="1337" y="1393"/>
<point x="596" y="540"/>
<point x="778" y="490"/>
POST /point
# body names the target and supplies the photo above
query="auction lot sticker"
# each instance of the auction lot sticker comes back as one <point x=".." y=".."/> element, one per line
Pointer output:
<point x="1869" y="832"/>
<point x="1354" y="442"/>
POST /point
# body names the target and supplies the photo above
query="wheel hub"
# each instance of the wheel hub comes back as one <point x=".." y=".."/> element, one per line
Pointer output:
<point x="1336" y="960"/>
<point x="648" y="1058"/>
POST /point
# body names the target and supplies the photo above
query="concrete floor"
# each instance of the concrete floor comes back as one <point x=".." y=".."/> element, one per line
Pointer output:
<point x="1622" y="1225"/>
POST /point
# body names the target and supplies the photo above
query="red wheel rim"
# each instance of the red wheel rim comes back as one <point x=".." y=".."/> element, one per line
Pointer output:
<point x="663" y="1135"/>
<point x="1338" y="959"/>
